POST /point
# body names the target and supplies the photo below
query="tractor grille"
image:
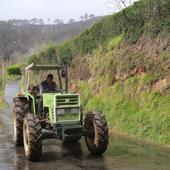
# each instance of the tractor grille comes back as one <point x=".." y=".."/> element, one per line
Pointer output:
<point x="67" y="101"/>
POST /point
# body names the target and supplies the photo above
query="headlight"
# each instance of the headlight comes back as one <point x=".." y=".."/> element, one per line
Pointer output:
<point x="60" y="111"/>
<point x="67" y="111"/>
<point x="74" y="110"/>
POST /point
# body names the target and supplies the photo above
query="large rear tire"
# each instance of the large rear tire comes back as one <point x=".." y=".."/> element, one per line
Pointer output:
<point x="20" y="108"/>
<point x="32" y="132"/>
<point x="96" y="127"/>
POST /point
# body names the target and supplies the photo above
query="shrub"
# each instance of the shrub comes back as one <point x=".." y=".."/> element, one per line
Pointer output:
<point x="116" y="42"/>
<point x="64" y="52"/>
<point x="14" y="70"/>
<point x="33" y="59"/>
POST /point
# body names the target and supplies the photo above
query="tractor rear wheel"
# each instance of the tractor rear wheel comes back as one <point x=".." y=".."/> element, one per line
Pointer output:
<point x="96" y="127"/>
<point x="32" y="132"/>
<point x="20" y="108"/>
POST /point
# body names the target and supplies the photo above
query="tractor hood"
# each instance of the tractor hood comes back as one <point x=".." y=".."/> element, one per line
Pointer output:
<point x="62" y="107"/>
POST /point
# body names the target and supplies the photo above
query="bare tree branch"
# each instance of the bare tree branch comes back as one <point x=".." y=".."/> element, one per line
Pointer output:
<point x="120" y="4"/>
<point x="123" y="2"/>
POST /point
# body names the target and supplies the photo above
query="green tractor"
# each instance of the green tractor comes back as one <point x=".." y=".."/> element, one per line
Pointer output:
<point x="61" y="116"/>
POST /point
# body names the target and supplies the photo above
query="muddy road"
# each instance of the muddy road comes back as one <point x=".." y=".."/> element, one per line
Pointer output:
<point x="122" y="154"/>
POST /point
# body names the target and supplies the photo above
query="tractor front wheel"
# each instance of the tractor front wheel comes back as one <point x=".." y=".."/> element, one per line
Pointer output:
<point x="20" y="108"/>
<point x="32" y="133"/>
<point x="95" y="126"/>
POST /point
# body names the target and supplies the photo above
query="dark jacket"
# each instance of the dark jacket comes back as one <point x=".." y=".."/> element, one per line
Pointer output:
<point x="45" y="86"/>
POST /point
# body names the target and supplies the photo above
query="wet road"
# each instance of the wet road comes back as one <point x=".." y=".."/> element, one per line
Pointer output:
<point x="122" y="154"/>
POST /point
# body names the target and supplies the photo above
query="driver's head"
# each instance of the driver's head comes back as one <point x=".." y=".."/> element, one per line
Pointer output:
<point x="49" y="78"/>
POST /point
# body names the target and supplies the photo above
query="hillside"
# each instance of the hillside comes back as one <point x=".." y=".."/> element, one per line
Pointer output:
<point x="22" y="39"/>
<point x="121" y="67"/>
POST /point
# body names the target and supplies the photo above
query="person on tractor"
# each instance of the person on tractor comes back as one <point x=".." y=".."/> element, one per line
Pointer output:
<point x="48" y="85"/>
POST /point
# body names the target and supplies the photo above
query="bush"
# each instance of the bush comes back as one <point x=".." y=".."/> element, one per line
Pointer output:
<point x="145" y="17"/>
<point x="33" y="59"/>
<point x="115" y="42"/>
<point x="14" y="70"/>
<point x="64" y="52"/>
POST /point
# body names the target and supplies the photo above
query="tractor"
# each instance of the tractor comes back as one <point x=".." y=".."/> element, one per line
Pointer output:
<point x="61" y="116"/>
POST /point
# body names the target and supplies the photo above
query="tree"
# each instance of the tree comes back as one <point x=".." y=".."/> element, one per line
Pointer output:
<point x="91" y="16"/>
<point x="40" y="21"/>
<point x="61" y="21"/>
<point x="58" y="21"/>
<point x="120" y="4"/>
<point x="18" y="22"/>
<point x="84" y="17"/>
<point x="14" y="70"/>
<point x="48" y="20"/>
<point x="72" y="21"/>
<point x="34" y="21"/>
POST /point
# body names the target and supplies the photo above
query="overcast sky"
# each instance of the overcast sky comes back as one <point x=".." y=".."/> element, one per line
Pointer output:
<point x="63" y="9"/>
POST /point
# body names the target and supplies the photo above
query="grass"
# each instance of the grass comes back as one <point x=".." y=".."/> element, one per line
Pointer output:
<point x="116" y="42"/>
<point x="3" y="104"/>
<point x="11" y="73"/>
<point x="130" y="110"/>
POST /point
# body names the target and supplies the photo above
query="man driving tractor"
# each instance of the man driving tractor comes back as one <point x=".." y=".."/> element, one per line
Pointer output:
<point x="48" y="84"/>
